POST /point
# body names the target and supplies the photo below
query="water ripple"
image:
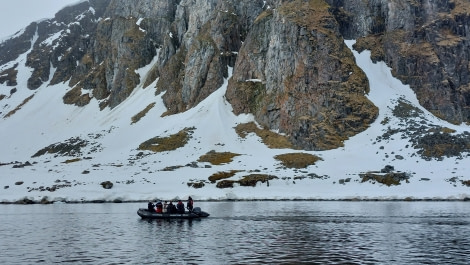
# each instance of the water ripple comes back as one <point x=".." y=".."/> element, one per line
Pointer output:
<point x="239" y="233"/>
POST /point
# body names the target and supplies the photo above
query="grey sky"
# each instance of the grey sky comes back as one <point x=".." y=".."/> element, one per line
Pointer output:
<point x="17" y="14"/>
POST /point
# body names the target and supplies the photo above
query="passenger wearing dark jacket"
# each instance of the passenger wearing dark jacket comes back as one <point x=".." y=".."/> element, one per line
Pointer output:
<point x="180" y="207"/>
<point x="150" y="207"/>
<point x="190" y="203"/>
<point x="171" y="208"/>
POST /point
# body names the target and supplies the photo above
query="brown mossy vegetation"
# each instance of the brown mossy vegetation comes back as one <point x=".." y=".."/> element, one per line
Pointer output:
<point x="269" y="138"/>
<point x="265" y="14"/>
<point x="217" y="158"/>
<point x="132" y="79"/>
<point x="311" y="14"/>
<point x="169" y="143"/>
<point x="372" y="43"/>
<point x="142" y="113"/>
<point x="253" y="179"/>
<point x="68" y="161"/>
<point x="249" y="180"/>
<point x="447" y="130"/>
<point x="225" y="184"/>
<point x="222" y="175"/>
<point x="375" y="43"/>
<point x="442" y="142"/>
<point x="9" y="114"/>
<point x="250" y="93"/>
<point x="75" y="97"/>
<point x="172" y="82"/>
<point x="462" y="7"/>
<point x="152" y="75"/>
<point x="297" y="160"/>
<point x="466" y="183"/>
<point x="389" y="179"/>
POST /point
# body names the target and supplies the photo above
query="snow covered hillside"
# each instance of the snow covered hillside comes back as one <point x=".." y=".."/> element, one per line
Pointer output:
<point x="106" y="149"/>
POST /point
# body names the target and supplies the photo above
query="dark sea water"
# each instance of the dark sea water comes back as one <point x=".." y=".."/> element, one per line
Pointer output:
<point x="287" y="232"/>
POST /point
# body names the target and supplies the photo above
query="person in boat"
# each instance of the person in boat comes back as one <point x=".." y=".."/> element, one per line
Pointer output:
<point x="189" y="204"/>
<point x="165" y="206"/>
<point x="151" y="207"/>
<point x="159" y="207"/>
<point x="171" y="208"/>
<point x="180" y="207"/>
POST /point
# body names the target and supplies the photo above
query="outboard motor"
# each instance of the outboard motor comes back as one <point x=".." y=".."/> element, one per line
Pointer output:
<point x="197" y="210"/>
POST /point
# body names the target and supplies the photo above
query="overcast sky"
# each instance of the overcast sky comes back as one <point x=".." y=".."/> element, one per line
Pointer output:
<point x="17" y="14"/>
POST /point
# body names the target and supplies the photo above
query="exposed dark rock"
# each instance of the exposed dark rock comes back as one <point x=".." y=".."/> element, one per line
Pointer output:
<point x="25" y="201"/>
<point x="437" y="145"/>
<point x="8" y="76"/>
<point x="196" y="185"/>
<point x="389" y="179"/>
<point x="425" y="43"/>
<point x="106" y="185"/>
<point x="387" y="169"/>
<point x="45" y="200"/>
<point x="399" y="157"/>
<point x="430" y="141"/>
<point x="22" y="165"/>
<point x="70" y="147"/>
<point x="17" y="45"/>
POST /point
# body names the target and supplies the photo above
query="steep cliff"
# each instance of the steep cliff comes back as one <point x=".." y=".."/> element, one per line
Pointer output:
<point x="296" y="75"/>
<point x="209" y="35"/>
<point x="291" y="68"/>
<point x="426" y="43"/>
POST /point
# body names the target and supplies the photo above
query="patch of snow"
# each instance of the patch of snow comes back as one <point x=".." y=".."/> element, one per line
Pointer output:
<point x="49" y="41"/>
<point x="92" y="10"/>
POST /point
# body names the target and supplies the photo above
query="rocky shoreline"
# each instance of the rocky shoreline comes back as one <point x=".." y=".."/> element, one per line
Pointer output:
<point x="26" y="201"/>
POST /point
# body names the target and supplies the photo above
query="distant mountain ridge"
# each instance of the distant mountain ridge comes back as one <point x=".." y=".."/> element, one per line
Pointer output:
<point x="291" y="69"/>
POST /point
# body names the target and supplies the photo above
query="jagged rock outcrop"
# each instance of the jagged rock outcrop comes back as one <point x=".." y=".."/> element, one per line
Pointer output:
<point x="425" y="43"/>
<point x="209" y="35"/>
<point x="291" y="68"/>
<point x="62" y="42"/>
<point x="296" y="75"/>
<point x="18" y="44"/>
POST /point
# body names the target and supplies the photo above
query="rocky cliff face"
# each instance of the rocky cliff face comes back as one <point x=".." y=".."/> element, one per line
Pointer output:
<point x="295" y="74"/>
<point x="426" y="44"/>
<point x="290" y="66"/>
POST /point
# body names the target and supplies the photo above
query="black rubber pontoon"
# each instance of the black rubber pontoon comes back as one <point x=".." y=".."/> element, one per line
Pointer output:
<point x="196" y="213"/>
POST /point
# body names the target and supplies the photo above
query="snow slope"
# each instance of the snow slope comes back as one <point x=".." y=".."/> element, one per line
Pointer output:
<point x="113" y="154"/>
